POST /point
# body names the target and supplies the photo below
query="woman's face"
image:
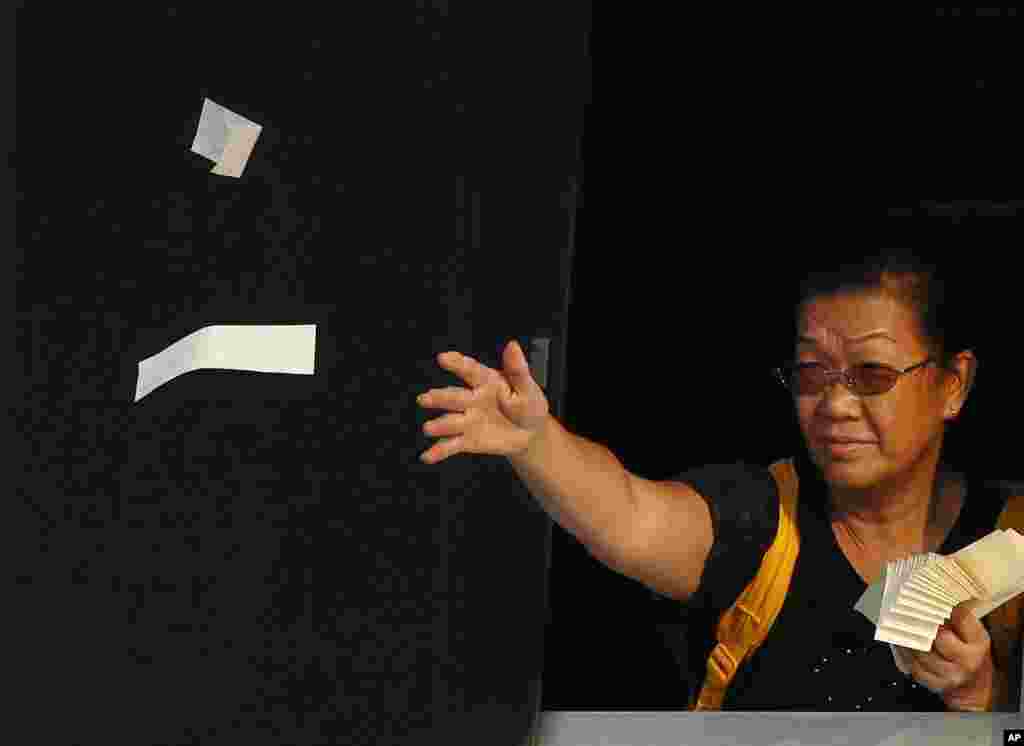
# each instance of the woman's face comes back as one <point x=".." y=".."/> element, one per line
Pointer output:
<point x="903" y="426"/>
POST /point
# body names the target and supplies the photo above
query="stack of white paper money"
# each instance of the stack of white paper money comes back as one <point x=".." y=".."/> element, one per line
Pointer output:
<point x="916" y="595"/>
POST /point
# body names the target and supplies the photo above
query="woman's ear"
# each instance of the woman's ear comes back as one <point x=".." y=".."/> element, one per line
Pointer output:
<point x="961" y="383"/>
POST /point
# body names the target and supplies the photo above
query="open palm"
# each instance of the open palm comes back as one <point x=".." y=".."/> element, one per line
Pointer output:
<point x="498" y="414"/>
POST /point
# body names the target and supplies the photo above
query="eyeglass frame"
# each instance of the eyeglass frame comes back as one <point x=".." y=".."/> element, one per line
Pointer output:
<point x="844" y="375"/>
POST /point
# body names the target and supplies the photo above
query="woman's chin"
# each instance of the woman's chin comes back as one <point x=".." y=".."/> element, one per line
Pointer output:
<point x="843" y="468"/>
<point x="849" y="475"/>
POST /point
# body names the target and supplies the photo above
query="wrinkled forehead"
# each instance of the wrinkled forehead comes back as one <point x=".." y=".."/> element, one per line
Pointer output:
<point x="839" y="323"/>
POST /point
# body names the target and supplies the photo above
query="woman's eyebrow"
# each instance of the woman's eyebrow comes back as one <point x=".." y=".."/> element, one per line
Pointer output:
<point x="803" y="339"/>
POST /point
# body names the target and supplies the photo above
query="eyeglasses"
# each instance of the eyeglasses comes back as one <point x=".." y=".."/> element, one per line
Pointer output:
<point x="867" y="379"/>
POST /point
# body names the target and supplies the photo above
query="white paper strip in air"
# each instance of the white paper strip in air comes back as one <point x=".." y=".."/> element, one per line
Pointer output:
<point x="226" y="138"/>
<point x="263" y="349"/>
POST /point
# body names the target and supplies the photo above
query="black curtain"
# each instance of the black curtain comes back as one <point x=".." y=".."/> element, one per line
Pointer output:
<point x="262" y="558"/>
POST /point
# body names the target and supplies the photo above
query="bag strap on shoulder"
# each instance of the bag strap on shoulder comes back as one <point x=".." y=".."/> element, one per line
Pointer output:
<point x="743" y="627"/>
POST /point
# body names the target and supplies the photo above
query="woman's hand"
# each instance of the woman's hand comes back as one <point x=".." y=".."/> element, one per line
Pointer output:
<point x="959" y="666"/>
<point x="500" y="413"/>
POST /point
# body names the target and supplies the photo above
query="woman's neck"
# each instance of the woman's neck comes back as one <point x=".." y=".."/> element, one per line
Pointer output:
<point x="893" y="519"/>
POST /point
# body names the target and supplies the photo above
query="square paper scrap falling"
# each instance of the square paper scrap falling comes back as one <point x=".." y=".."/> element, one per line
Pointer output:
<point x="226" y="138"/>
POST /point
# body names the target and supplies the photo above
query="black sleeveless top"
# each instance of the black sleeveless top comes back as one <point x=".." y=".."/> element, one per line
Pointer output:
<point x="820" y="654"/>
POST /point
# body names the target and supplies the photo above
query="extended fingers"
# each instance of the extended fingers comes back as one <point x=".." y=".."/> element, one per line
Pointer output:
<point x="465" y="367"/>
<point x="450" y="397"/>
<point x="449" y="424"/>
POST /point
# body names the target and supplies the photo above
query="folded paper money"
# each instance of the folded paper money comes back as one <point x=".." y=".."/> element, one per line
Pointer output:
<point x="263" y="348"/>
<point x="916" y="595"/>
<point x="226" y="138"/>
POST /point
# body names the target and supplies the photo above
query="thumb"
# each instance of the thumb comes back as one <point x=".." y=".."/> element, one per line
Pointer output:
<point x="517" y="369"/>
<point x="965" y="625"/>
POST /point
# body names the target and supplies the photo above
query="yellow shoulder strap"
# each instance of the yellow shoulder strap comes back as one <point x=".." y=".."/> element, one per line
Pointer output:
<point x="744" y="626"/>
<point x="1004" y="623"/>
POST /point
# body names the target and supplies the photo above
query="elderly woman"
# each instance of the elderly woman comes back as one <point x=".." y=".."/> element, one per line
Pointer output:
<point x="878" y="373"/>
<point x="876" y="378"/>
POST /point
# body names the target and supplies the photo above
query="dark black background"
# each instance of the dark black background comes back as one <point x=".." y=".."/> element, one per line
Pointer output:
<point x="260" y="558"/>
<point x="720" y="151"/>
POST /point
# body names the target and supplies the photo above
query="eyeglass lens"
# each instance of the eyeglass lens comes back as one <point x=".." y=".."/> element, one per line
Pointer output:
<point x="867" y="379"/>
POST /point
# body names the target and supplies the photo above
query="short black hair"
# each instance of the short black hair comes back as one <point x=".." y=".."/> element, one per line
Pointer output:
<point x="943" y="315"/>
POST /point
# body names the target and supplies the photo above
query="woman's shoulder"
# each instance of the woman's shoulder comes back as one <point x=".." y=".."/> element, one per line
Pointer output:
<point x="740" y="495"/>
<point x="737" y="479"/>
<point x="743" y="501"/>
<point x="995" y="489"/>
<point x="983" y="501"/>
